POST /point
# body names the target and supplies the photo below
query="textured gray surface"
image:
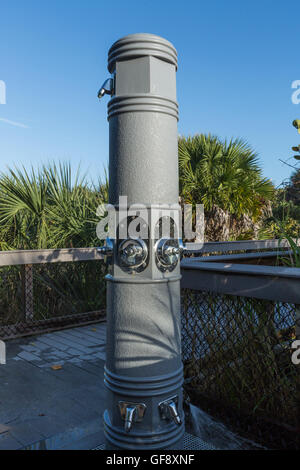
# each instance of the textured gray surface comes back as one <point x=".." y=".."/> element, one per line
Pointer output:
<point x="46" y="409"/>
<point x="140" y="45"/>
<point x="54" y="408"/>
<point x="143" y="308"/>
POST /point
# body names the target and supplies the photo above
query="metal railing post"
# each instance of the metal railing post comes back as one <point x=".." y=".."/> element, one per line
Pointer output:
<point x="27" y="273"/>
<point x="143" y="373"/>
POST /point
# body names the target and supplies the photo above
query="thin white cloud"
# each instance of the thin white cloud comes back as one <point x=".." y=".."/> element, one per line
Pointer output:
<point x="14" y="123"/>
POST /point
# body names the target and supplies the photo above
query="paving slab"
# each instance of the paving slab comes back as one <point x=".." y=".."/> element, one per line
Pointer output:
<point x="75" y="438"/>
<point x="37" y="403"/>
<point x="8" y="442"/>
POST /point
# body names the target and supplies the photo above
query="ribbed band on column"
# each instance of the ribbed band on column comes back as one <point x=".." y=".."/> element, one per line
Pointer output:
<point x="143" y="280"/>
<point x="139" y="45"/>
<point x="143" y="386"/>
<point x="142" y="103"/>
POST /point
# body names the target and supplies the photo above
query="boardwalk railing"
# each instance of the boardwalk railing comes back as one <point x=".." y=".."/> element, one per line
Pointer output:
<point x="42" y="290"/>
<point x="238" y="331"/>
<point x="23" y="257"/>
<point x="45" y="289"/>
<point x="238" y="323"/>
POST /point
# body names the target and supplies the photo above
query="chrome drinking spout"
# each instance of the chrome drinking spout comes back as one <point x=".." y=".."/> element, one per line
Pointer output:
<point x="173" y="412"/>
<point x="107" y="88"/>
<point x="169" y="410"/>
<point x="131" y="413"/>
<point x="129" y="418"/>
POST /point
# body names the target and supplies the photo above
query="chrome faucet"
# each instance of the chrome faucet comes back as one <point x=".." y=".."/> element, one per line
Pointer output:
<point x="130" y="417"/>
<point x="107" y="88"/>
<point x="168" y="410"/>
<point x="131" y="413"/>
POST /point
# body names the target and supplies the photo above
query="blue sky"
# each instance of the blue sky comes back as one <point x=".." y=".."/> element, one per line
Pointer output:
<point x="237" y="61"/>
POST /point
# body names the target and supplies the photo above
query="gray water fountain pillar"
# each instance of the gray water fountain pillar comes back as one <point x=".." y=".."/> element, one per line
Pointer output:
<point x="143" y="372"/>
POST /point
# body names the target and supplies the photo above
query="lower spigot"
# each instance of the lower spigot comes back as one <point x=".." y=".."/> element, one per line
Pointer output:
<point x="131" y="413"/>
<point x="168" y="410"/>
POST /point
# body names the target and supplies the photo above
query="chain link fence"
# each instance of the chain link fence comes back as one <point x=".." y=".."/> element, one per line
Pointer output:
<point x="236" y="350"/>
<point x="238" y="364"/>
<point x="36" y="297"/>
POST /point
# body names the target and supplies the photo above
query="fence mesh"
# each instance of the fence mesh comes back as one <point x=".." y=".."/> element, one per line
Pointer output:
<point x="238" y="364"/>
<point x="236" y="350"/>
<point x="45" y="296"/>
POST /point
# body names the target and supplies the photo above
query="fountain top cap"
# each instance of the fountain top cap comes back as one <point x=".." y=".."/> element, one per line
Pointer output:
<point x="139" y="45"/>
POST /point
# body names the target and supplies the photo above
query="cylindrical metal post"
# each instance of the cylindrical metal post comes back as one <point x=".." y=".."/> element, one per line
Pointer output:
<point x="143" y="373"/>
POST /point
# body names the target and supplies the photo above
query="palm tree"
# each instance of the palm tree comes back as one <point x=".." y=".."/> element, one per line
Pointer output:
<point x="22" y="209"/>
<point x="71" y="208"/>
<point x="48" y="208"/>
<point x="223" y="176"/>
